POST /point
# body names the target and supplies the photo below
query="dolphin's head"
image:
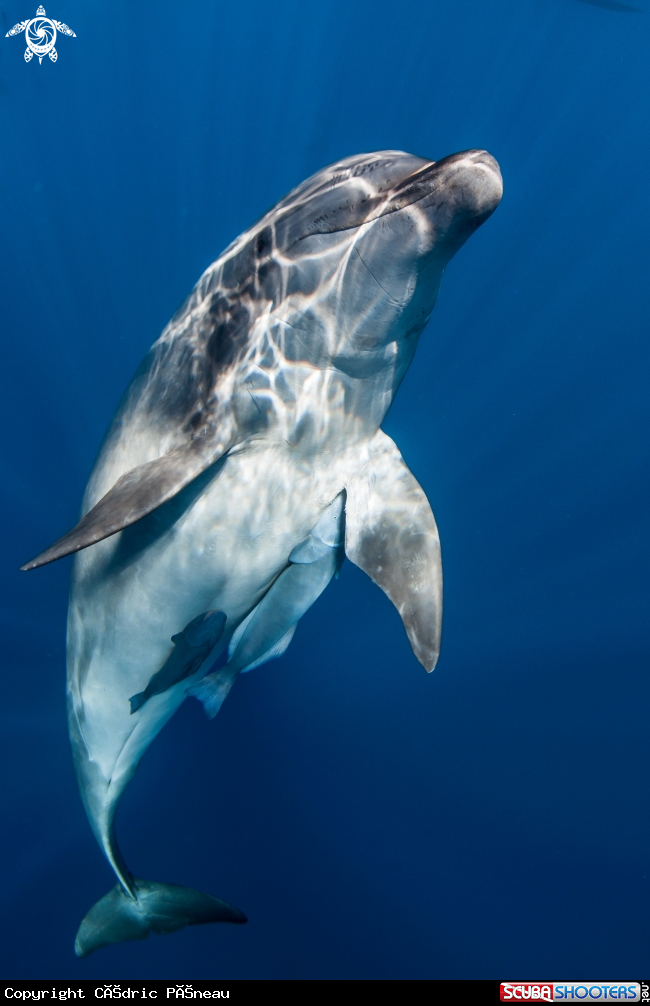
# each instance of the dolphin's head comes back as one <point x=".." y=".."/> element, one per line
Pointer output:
<point x="351" y="261"/>
<point x="343" y="273"/>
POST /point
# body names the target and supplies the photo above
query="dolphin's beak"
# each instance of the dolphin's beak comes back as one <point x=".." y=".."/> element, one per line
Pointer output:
<point x="471" y="180"/>
<point x="457" y="194"/>
<point x="468" y="183"/>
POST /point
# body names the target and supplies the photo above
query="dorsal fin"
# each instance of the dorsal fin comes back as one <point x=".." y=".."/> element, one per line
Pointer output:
<point x="134" y="495"/>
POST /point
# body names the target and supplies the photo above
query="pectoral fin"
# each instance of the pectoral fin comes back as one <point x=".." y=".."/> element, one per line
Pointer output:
<point x="391" y="535"/>
<point x="133" y="496"/>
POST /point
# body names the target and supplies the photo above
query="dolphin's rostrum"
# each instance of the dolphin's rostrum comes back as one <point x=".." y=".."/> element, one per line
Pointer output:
<point x="245" y="460"/>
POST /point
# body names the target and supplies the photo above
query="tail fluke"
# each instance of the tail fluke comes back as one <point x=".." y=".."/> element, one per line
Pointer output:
<point x="157" y="908"/>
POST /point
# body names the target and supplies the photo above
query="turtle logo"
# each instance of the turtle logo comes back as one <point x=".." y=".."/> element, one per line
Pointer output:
<point x="40" y="35"/>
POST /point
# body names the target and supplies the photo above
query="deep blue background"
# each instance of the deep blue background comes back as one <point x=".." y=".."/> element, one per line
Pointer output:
<point x="489" y="821"/>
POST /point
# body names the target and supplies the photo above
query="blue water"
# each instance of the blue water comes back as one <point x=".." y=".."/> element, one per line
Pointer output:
<point x="488" y="821"/>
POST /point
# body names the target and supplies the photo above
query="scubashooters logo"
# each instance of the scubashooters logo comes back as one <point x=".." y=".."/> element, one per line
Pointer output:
<point x="571" y="991"/>
<point x="40" y="35"/>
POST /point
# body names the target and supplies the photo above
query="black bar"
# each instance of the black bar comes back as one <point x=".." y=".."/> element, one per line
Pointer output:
<point x="159" y="990"/>
<point x="29" y="991"/>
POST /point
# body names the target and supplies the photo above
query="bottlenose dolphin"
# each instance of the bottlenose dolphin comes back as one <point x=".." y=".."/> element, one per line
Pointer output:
<point x="245" y="460"/>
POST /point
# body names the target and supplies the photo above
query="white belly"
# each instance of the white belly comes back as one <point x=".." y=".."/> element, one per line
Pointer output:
<point x="222" y="553"/>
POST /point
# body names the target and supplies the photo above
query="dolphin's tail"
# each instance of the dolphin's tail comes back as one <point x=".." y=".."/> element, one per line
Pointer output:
<point x="158" y="908"/>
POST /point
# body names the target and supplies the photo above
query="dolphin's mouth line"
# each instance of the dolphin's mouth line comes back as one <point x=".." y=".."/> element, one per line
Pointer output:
<point x="399" y="199"/>
<point x="386" y="210"/>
